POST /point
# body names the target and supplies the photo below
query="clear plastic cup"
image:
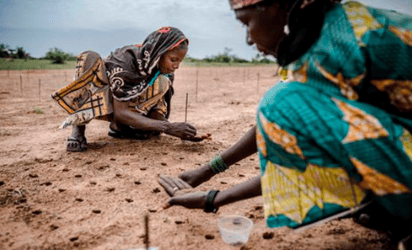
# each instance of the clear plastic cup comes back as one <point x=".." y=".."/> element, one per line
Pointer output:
<point x="235" y="229"/>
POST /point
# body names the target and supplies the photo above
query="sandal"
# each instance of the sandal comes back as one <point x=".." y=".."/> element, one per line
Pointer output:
<point x="76" y="145"/>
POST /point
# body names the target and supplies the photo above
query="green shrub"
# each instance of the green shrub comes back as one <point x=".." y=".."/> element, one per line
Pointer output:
<point x="57" y="55"/>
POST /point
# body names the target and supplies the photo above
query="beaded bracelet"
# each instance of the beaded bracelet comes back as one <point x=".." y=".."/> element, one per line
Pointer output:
<point x="217" y="164"/>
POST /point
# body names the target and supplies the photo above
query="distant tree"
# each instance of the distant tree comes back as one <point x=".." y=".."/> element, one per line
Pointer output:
<point x="21" y="53"/>
<point x="4" y="50"/>
<point x="57" y="55"/>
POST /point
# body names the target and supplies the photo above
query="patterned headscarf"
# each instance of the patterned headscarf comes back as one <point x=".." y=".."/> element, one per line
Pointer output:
<point x="131" y="68"/>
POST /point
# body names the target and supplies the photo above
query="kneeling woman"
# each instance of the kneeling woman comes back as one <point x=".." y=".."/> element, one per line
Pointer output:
<point x="131" y="88"/>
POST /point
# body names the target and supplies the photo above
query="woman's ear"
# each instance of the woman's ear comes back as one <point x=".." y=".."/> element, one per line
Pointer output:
<point x="306" y="3"/>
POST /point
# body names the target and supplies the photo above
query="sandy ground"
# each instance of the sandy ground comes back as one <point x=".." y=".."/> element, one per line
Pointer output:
<point x="52" y="199"/>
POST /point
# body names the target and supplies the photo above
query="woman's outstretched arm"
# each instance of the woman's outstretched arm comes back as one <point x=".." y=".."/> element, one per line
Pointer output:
<point x="197" y="200"/>
<point x="245" y="147"/>
<point x="123" y="115"/>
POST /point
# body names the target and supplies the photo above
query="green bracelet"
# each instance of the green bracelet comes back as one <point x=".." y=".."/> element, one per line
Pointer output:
<point x="217" y="164"/>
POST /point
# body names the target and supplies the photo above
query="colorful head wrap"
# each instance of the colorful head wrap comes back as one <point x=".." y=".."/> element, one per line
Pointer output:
<point x="132" y="67"/>
<point x="239" y="4"/>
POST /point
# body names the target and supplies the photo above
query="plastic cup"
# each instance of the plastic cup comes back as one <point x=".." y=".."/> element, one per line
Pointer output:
<point x="235" y="229"/>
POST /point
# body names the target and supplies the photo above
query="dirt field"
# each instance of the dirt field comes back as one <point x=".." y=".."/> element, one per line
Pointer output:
<point x="52" y="199"/>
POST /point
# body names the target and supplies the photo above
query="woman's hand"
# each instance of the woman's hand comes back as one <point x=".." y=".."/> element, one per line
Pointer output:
<point x="183" y="130"/>
<point x="172" y="185"/>
<point x="197" y="176"/>
<point x="182" y="193"/>
<point x="195" y="199"/>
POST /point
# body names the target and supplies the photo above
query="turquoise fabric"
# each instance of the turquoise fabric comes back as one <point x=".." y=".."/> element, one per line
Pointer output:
<point x="311" y="110"/>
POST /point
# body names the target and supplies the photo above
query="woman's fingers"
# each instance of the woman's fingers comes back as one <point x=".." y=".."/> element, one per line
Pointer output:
<point x="172" y="185"/>
<point x="183" y="184"/>
<point x="200" y="138"/>
<point x="166" y="186"/>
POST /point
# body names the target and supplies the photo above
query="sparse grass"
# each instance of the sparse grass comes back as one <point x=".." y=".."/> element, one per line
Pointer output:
<point x="38" y="110"/>
<point x="5" y="133"/>
<point x="22" y="64"/>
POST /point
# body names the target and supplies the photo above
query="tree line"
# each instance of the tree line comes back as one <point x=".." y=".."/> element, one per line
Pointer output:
<point x="59" y="56"/>
<point x="54" y="54"/>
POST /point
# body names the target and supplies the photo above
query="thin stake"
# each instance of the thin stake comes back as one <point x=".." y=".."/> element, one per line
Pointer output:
<point x="197" y="81"/>
<point x="187" y="97"/>
<point x="65" y="76"/>
<point x="39" y="90"/>
<point x="21" y="85"/>
<point x="8" y="72"/>
<point x="146" y="228"/>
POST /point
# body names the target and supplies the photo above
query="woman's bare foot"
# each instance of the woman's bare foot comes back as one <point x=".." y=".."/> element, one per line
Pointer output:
<point x="197" y="176"/>
<point x="77" y="142"/>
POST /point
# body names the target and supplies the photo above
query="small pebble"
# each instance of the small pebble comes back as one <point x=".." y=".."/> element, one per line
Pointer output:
<point x="36" y="212"/>
<point x="61" y="190"/>
<point x="164" y="164"/>
<point x="74" y="238"/>
<point x="33" y="175"/>
<point x="96" y="211"/>
<point x="78" y="176"/>
<point x="209" y="236"/>
<point x="268" y="235"/>
<point x="129" y="200"/>
<point x="137" y="182"/>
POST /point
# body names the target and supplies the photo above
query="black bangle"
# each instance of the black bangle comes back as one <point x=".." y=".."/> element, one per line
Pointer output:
<point x="210" y="198"/>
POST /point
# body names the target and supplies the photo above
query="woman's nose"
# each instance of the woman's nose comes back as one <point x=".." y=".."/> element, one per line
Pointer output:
<point x="176" y="66"/>
<point x="248" y="39"/>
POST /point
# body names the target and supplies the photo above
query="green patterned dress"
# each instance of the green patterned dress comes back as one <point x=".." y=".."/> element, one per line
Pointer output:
<point x="339" y="132"/>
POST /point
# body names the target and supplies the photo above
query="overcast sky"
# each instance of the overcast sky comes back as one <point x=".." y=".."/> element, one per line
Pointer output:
<point x="104" y="25"/>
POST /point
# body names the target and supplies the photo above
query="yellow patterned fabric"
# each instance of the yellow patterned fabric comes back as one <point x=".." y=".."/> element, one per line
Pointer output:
<point x="406" y="140"/>
<point x="152" y="98"/>
<point x="293" y="194"/>
<point x="361" y="20"/>
<point x="88" y="96"/>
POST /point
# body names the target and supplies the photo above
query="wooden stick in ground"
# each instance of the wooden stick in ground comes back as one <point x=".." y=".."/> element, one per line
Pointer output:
<point x="39" y="90"/>
<point x="187" y="97"/>
<point x="21" y="85"/>
<point x="146" y="228"/>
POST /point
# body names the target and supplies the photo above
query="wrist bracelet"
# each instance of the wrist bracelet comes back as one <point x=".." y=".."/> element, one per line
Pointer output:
<point x="210" y="198"/>
<point x="217" y="164"/>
